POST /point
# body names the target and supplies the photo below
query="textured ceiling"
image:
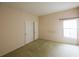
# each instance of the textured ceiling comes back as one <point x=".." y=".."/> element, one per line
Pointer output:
<point x="41" y="8"/>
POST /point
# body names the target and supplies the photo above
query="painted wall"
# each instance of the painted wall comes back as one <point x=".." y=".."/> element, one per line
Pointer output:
<point x="78" y="27"/>
<point x="51" y="27"/>
<point x="12" y="28"/>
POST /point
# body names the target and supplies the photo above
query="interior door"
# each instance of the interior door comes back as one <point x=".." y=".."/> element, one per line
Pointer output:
<point x="28" y="31"/>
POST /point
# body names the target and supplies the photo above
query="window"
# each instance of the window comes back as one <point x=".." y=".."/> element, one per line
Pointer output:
<point x="70" y="28"/>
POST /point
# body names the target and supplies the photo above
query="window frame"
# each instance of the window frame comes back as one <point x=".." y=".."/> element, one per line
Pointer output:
<point x="71" y="28"/>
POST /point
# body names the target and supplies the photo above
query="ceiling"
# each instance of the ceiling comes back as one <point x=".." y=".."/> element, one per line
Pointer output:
<point x="41" y="8"/>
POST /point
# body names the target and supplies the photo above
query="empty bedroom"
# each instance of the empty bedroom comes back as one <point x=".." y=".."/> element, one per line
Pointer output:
<point x="39" y="29"/>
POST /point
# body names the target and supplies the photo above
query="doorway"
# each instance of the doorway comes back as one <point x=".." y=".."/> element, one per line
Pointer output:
<point x="29" y="31"/>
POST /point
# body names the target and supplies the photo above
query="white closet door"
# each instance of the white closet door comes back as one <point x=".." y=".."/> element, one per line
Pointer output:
<point x="28" y="31"/>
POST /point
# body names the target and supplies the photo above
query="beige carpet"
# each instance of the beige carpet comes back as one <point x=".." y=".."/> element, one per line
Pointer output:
<point x="45" y="48"/>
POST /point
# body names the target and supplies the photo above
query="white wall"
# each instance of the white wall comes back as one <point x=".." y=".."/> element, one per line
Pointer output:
<point x="50" y="25"/>
<point x="12" y="28"/>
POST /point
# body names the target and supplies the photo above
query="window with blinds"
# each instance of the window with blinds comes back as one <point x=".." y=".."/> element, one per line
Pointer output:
<point x="70" y="28"/>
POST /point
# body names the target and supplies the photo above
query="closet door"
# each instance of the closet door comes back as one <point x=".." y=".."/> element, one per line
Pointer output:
<point x="28" y="31"/>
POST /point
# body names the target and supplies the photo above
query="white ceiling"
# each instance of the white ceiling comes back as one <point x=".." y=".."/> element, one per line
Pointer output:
<point x="41" y="8"/>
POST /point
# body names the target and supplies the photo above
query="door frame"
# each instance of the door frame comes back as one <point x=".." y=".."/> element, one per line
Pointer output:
<point x="25" y="33"/>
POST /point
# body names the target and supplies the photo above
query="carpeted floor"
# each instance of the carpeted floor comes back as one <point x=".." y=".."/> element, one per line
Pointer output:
<point x="45" y="48"/>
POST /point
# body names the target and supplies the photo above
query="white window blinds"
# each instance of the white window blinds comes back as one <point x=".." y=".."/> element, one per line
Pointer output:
<point x="70" y="28"/>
